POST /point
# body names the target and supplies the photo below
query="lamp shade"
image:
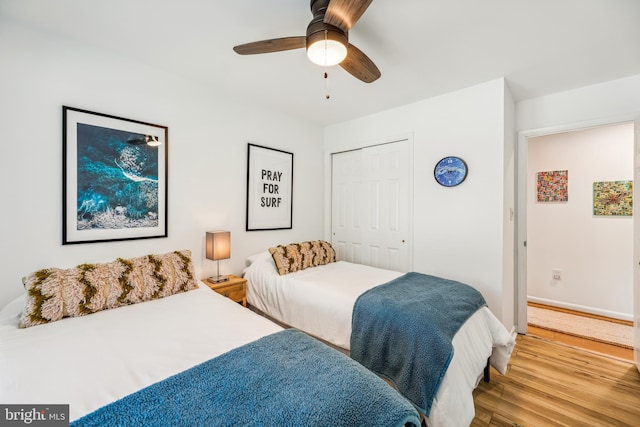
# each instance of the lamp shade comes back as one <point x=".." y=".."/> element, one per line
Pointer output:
<point x="218" y="245"/>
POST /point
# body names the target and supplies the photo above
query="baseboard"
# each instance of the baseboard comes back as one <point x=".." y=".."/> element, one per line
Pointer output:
<point x="582" y="308"/>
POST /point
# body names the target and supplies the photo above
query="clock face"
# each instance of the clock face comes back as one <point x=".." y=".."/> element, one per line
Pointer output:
<point x="450" y="171"/>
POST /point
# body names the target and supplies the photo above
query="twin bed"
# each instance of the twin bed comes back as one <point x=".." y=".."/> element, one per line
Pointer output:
<point x="189" y="358"/>
<point x="319" y="299"/>
<point x="193" y="357"/>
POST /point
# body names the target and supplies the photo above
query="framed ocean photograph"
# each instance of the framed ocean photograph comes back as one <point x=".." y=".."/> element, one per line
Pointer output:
<point x="114" y="178"/>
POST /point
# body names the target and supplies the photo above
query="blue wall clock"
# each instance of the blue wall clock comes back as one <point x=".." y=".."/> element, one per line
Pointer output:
<point x="450" y="171"/>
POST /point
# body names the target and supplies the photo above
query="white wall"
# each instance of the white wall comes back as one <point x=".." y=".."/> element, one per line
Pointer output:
<point x="594" y="253"/>
<point x="508" y="211"/>
<point x="458" y="232"/>
<point x="605" y="102"/>
<point x="208" y="135"/>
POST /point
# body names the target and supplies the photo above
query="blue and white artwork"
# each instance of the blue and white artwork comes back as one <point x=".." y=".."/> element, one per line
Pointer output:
<point x="117" y="179"/>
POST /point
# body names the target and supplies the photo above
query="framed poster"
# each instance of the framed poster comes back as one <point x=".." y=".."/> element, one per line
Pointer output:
<point x="613" y="198"/>
<point x="553" y="186"/>
<point x="269" y="188"/>
<point x="114" y="178"/>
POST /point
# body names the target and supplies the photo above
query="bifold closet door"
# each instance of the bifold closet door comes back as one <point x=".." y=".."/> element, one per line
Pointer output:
<point x="346" y="205"/>
<point x="371" y="205"/>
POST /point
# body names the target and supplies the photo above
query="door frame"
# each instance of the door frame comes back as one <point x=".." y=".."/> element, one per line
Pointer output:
<point x="328" y="185"/>
<point x="636" y="245"/>
<point x="521" y="198"/>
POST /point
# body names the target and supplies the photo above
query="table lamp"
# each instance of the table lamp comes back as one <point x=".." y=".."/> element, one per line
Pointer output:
<point x="218" y="246"/>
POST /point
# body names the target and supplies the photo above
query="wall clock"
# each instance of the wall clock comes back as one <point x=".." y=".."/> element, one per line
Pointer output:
<point x="450" y="171"/>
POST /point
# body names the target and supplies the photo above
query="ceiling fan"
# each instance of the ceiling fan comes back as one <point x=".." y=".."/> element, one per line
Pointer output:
<point x="327" y="39"/>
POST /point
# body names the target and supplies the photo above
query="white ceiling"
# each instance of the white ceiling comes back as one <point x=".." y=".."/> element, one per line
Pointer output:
<point x="423" y="47"/>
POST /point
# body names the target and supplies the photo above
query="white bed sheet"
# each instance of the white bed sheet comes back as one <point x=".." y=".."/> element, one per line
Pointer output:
<point x="320" y="301"/>
<point x="90" y="361"/>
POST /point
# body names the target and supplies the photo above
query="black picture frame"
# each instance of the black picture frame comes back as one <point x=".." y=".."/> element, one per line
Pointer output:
<point x="114" y="178"/>
<point x="269" y="188"/>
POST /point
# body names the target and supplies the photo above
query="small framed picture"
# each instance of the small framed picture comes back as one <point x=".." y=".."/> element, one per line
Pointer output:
<point x="553" y="186"/>
<point x="269" y="188"/>
<point x="114" y="178"/>
<point x="613" y="198"/>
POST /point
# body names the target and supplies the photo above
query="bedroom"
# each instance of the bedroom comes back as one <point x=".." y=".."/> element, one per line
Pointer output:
<point x="210" y="126"/>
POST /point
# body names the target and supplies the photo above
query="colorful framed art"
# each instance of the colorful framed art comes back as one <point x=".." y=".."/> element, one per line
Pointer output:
<point x="613" y="198"/>
<point x="553" y="186"/>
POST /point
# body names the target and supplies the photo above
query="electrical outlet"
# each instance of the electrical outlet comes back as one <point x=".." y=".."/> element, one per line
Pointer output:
<point x="555" y="274"/>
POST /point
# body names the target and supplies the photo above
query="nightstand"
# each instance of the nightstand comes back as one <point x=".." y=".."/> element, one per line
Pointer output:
<point x="235" y="288"/>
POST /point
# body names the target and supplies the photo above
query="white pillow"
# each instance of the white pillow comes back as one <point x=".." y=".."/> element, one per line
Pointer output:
<point x="10" y="313"/>
<point x="260" y="263"/>
<point x="259" y="257"/>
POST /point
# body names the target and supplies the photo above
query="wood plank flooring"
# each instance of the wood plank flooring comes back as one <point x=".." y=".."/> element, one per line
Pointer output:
<point x="600" y="347"/>
<point x="552" y="384"/>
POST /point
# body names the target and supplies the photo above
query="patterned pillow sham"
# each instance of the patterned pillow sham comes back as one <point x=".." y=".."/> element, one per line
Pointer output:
<point x="54" y="293"/>
<point x="298" y="256"/>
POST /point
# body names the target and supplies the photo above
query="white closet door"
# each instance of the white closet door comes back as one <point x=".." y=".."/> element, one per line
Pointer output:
<point x="371" y="205"/>
<point x="346" y="205"/>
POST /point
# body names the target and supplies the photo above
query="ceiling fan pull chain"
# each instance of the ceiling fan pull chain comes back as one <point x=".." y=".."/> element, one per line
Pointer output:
<point x="326" y="75"/>
<point x="326" y="80"/>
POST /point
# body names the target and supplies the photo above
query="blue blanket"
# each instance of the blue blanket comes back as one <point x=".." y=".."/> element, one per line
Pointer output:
<point x="283" y="379"/>
<point x="403" y="329"/>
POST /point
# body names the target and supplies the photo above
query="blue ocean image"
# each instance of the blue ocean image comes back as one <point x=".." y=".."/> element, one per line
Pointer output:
<point x="117" y="179"/>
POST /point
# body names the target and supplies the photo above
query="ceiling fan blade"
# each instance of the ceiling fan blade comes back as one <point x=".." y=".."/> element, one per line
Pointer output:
<point x="272" y="45"/>
<point x="345" y="13"/>
<point x="360" y="66"/>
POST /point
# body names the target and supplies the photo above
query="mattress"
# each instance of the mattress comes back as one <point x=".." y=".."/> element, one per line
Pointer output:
<point x="122" y="350"/>
<point x="320" y="300"/>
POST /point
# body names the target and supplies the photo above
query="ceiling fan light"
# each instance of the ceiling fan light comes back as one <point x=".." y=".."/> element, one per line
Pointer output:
<point x="327" y="52"/>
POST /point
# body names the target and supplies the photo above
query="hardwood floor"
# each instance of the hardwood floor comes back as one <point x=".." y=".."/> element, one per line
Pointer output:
<point x="599" y="347"/>
<point x="553" y="384"/>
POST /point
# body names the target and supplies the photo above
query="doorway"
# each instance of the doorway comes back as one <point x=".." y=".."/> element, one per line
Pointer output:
<point x="568" y="256"/>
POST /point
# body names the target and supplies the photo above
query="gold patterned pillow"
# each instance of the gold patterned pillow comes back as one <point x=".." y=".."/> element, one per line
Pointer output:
<point x="298" y="256"/>
<point x="54" y="293"/>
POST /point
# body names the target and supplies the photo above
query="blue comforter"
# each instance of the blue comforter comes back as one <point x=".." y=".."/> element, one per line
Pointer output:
<point x="283" y="379"/>
<point x="403" y="330"/>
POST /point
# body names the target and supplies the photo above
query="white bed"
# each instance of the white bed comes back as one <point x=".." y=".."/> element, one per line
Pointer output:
<point x="131" y="348"/>
<point x="320" y="301"/>
<point x="91" y="361"/>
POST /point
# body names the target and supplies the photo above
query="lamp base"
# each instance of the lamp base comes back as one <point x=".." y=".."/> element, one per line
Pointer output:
<point x="217" y="279"/>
